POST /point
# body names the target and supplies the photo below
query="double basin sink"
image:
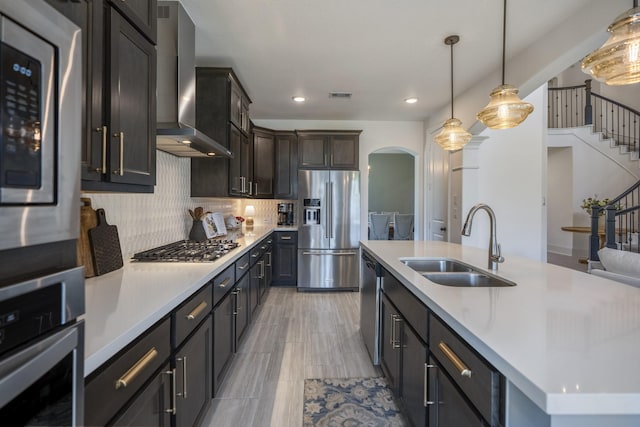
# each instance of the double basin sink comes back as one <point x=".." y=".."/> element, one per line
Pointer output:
<point x="450" y="272"/>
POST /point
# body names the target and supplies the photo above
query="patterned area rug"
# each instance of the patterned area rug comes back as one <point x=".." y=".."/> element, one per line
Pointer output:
<point x="350" y="402"/>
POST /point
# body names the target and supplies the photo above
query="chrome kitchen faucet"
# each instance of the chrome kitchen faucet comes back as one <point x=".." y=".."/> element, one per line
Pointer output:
<point x="494" y="247"/>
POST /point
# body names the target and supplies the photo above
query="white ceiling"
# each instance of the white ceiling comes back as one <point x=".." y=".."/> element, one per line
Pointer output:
<point x="382" y="51"/>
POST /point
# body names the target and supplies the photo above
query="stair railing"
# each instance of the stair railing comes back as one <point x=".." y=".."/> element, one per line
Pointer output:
<point x="576" y="106"/>
<point x="621" y="225"/>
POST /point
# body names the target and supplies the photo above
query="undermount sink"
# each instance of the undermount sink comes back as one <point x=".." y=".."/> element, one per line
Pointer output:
<point x="449" y="272"/>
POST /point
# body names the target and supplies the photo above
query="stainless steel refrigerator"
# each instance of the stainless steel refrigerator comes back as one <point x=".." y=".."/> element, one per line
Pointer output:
<point x="329" y="229"/>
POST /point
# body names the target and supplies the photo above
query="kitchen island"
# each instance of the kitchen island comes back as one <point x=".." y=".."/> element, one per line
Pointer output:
<point x="567" y="342"/>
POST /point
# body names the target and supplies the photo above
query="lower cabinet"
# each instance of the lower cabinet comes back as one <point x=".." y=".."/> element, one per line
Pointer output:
<point x="241" y="312"/>
<point x="223" y="339"/>
<point x="285" y="258"/>
<point x="192" y="363"/>
<point x="153" y="406"/>
<point x="390" y="350"/>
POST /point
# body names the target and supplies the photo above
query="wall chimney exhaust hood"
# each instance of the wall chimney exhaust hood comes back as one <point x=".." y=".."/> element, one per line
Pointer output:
<point x="176" y="91"/>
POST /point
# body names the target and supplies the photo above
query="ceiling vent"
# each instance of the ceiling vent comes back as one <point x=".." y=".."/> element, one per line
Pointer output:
<point x="340" y="95"/>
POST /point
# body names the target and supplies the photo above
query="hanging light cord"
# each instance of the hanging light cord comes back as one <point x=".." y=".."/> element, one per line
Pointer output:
<point x="504" y="36"/>
<point x="451" y="79"/>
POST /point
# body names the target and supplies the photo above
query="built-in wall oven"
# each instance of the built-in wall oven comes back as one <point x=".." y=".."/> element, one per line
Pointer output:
<point x="41" y="287"/>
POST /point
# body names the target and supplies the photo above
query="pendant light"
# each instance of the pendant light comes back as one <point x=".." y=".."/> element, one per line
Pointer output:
<point x="617" y="62"/>
<point x="453" y="136"/>
<point x="505" y="109"/>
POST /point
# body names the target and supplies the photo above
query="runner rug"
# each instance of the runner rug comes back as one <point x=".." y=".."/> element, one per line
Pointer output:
<point x="350" y="402"/>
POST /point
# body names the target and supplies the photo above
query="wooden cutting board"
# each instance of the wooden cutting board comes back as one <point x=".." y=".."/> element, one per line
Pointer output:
<point x="105" y="246"/>
<point x="88" y="220"/>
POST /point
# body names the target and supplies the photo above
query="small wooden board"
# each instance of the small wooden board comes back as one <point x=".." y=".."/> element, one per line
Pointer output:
<point x="105" y="246"/>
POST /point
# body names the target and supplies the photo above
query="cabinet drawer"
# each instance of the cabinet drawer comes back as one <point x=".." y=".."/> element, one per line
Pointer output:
<point x="286" y="237"/>
<point x="242" y="265"/>
<point x="256" y="253"/>
<point x="191" y="313"/>
<point x="482" y="385"/>
<point x="223" y="283"/>
<point x="125" y="374"/>
<point x="412" y="309"/>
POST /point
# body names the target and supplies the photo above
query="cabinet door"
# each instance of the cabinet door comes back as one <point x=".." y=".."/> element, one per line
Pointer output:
<point x="343" y="152"/>
<point x="390" y="330"/>
<point x="132" y="119"/>
<point x="312" y="152"/>
<point x="254" y="286"/>
<point x="235" y="105"/>
<point x="152" y="407"/>
<point x="263" y="164"/>
<point x="286" y="167"/>
<point x="242" y="308"/>
<point x="193" y="376"/>
<point x="268" y="267"/>
<point x="414" y="357"/>
<point x="89" y="15"/>
<point x="222" y="339"/>
<point x="447" y="405"/>
<point x="142" y="13"/>
<point x="237" y="181"/>
<point x="285" y="271"/>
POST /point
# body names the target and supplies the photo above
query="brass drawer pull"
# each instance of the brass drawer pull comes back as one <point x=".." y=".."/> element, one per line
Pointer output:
<point x="285" y="238"/>
<point x="225" y="282"/>
<point x="196" y="311"/>
<point x="453" y="358"/>
<point x="135" y="370"/>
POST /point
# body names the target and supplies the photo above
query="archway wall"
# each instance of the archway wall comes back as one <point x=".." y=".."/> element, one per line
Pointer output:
<point x="407" y="136"/>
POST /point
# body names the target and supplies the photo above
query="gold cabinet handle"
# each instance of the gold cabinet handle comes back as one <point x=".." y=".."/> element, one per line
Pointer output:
<point x="120" y="170"/>
<point x="135" y="370"/>
<point x="285" y="238"/>
<point x="172" y="410"/>
<point x="453" y="358"/>
<point x="103" y="168"/>
<point x="225" y="282"/>
<point x="196" y="311"/>
<point x="246" y="264"/>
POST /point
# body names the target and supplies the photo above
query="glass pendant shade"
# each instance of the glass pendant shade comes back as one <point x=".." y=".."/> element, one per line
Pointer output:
<point x="617" y="62"/>
<point x="505" y="109"/>
<point x="453" y="136"/>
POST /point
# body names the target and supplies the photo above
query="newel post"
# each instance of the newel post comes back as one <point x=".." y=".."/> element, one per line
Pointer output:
<point x="588" y="109"/>
<point x="594" y="237"/>
<point x="610" y="227"/>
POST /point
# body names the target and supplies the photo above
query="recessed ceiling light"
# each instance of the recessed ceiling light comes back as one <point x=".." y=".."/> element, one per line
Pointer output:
<point x="411" y="100"/>
<point x="299" y="98"/>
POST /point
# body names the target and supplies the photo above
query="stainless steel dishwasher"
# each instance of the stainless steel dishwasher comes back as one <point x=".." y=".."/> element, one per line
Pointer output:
<point x="371" y="276"/>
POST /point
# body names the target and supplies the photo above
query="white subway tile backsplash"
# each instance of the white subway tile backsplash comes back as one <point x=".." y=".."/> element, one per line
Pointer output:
<point x="146" y="221"/>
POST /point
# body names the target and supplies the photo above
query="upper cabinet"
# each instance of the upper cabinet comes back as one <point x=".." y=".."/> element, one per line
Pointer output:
<point x="286" y="166"/>
<point x="263" y="163"/>
<point x="327" y="149"/>
<point x="222" y="112"/>
<point x="119" y="87"/>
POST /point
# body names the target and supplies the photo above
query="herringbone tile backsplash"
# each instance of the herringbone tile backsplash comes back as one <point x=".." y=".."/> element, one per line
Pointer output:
<point x="146" y="221"/>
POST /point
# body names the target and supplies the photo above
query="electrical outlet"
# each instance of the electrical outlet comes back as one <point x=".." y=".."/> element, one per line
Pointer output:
<point x="267" y="220"/>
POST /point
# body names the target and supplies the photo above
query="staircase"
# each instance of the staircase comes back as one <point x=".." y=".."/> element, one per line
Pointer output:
<point x="578" y="110"/>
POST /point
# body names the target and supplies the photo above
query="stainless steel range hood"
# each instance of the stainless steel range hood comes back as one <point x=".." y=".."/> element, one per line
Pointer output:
<point x="176" y="91"/>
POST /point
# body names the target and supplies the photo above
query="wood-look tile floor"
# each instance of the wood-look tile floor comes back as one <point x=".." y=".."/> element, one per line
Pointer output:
<point x="294" y="335"/>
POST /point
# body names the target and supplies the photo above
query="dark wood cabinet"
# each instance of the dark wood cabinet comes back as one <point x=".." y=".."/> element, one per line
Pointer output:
<point x="390" y="356"/>
<point x="192" y="362"/>
<point x="153" y="406"/>
<point x="222" y="112"/>
<point x="263" y="163"/>
<point x="141" y="13"/>
<point x="327" y="149"/>
<point x="286" y="166"/>
<point x="285" y="258"/>
<point x="414" y="358"/>
<point x="223" y="339"/>
<point x="242" y="310"/>
<point x="119" y="86"/>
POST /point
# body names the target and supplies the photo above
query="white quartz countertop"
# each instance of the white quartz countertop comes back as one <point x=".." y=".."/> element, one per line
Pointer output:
<point x="568" y="340"/>
<point x="121" y="305"/>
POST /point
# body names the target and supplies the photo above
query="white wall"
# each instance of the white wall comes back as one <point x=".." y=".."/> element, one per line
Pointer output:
<point x="375" y="135"/>
<point x="512" y="180"/>
<point x="560" y="199"/>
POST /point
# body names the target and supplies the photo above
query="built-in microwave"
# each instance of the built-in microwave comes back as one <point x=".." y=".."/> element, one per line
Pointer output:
<point x="40" y="113"/>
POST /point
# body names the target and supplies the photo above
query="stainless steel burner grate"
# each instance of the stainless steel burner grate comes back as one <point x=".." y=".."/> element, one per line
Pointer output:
<point x="187" y="251"/>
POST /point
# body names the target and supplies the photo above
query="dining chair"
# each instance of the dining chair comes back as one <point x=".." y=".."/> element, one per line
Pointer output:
<point x="403" y="227"/>
<point x="379" y="227"/>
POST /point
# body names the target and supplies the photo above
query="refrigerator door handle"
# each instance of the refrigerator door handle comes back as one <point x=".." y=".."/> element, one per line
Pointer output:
<point x="349" y="253"/>
<point x="331" y="205"/>
<point x="327" y="210"/>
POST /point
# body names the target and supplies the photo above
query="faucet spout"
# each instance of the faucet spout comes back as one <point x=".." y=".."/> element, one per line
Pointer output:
<point x="495" y="256"/>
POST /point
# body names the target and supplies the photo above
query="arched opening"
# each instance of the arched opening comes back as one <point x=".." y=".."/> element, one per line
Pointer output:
<point x="391" y="182"/>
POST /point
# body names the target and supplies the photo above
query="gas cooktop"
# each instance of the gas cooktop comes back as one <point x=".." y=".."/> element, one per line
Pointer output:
<point x="188" y="251"/>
